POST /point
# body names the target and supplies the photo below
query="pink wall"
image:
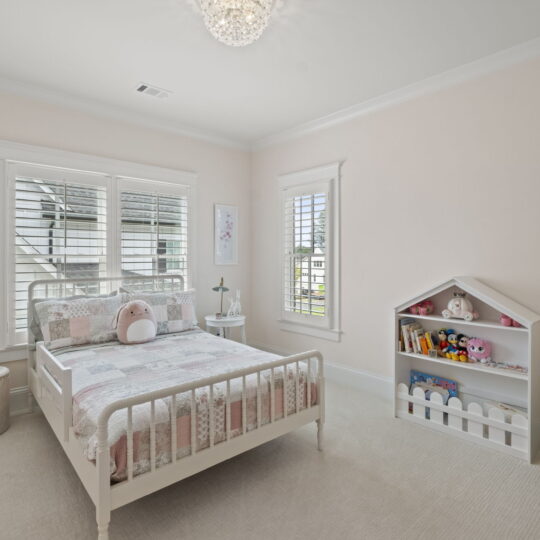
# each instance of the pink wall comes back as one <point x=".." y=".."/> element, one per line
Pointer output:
<point x="443" y="185"/>
<point x="447" y="184"/>
<point x="223" y="177"/>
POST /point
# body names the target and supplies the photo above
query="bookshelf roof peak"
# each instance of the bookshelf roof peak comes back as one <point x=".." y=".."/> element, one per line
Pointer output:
<point x="484" y="293"/>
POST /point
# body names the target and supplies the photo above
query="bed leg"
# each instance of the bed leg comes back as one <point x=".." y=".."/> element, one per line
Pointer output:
<point x="103" y="531"/>
<point x="103" y="505"/>
<point x="320" y="435"/>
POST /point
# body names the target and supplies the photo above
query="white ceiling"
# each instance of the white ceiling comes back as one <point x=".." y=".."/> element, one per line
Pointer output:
<point x="316" y="57"/>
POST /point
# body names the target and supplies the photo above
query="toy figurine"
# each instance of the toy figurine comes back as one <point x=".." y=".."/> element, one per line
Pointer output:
<point x="452" y="350"/>
<point x="443" y="341"/>
<point x="479" y="350"/>
<point x="460" y="308"/>
<point x="463" y="341"/>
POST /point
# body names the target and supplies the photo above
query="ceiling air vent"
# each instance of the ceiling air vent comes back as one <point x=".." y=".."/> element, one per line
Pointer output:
<point x="153" y="91"/>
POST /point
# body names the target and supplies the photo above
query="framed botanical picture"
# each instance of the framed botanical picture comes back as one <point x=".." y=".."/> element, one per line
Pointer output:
<point x="225" y="234"/>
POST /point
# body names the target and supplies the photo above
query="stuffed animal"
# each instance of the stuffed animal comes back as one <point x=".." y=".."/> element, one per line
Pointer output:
<point x="423" y="308"/>
<point x="479" y="350"/>
<point x="443" y="341"/>
<point x="136" y="323"/>
<point x="460" y="308"/>
<point x="452" y="350"/>
<point x="463" y="341"/>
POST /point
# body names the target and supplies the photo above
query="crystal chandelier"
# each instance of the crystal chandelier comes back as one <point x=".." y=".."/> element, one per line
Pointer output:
<point x="236" y="22"/>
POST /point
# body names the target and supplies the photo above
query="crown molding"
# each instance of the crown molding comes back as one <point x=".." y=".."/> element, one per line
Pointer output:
<point x="55" y="97"/>
<point x="466" y="72"/>
<point x="452" y="77"/>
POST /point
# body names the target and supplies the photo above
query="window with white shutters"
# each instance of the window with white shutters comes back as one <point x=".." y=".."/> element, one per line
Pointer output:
<point x="59" y="231"/>
<point x="64" y="221"/>
<point x="154" y="231"/>
<point x="310" y="250"/>
<point x="305" y="254"/>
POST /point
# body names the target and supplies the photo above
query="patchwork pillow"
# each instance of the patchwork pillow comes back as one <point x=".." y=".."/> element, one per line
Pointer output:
<point x="34" y="328"/>
<point x="174" y="311"/>
<point x="78" y="321"/>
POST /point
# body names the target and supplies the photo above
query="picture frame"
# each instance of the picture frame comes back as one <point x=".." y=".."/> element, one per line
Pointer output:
<point x="225" y="234"/>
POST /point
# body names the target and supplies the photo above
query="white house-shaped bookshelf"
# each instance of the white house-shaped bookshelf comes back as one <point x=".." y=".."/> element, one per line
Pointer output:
<point x="512" y="378"/>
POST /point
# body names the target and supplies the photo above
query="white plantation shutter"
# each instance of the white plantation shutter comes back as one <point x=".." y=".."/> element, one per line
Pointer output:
<point x="310" y="251"/>
<point x="305" y="235"/>
<point x="153" y="229"/>
<point x="59" y="231"/>
<point x="61" y="220"/>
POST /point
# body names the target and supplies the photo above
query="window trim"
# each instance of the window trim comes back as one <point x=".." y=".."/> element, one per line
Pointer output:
<point x="78" y="167"/>
<point x="329" y="177"/>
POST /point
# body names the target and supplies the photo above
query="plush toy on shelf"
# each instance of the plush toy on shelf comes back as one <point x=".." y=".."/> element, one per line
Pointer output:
<point x="422" y="308"/>
<point x="508" y="321"/>
<point x="460" y="308"/>
<point x="452" y="350"/>
<point x="443" y="341"/>
<point x="463" y="341"/>
<point x="479" y="350"/>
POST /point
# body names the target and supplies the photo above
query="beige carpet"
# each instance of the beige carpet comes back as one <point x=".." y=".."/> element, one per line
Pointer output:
<point x="379" y="478"/>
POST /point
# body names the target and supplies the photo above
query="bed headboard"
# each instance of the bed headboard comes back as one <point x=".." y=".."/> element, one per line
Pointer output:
<point x="44" y="289"/>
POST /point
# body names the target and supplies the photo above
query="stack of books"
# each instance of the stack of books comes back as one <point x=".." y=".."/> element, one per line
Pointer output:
<point x="414" y="339"/>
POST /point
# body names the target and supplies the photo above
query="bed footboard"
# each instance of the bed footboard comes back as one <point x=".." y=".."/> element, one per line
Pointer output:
<point x="305" y="409"/>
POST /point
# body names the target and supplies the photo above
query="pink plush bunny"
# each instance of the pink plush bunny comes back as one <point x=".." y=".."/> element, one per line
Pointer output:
<point x="136" y="323"/>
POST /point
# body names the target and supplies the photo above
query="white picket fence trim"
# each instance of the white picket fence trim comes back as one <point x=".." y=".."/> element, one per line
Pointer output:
<point x="472" y="423"/>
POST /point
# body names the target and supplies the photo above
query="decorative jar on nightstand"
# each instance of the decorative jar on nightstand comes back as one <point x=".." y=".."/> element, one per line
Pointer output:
<point x="224" y="323"/>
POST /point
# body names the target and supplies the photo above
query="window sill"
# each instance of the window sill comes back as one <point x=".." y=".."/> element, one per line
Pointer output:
<point x="314" y="331"/>
<point x="13" y="353"/>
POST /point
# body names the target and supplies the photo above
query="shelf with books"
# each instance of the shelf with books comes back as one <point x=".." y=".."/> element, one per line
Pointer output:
<point x="465" y="365"/>
<point x="472" y="354"/>
<point x="450" y="322"/>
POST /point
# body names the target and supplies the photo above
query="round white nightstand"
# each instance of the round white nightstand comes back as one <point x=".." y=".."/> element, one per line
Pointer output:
<point x="227" y="322"/>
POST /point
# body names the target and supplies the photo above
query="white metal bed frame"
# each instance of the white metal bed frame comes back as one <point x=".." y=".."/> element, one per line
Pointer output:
<point x="50" y="384"/>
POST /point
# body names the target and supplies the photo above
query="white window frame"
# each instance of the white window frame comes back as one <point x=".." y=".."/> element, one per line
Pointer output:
<point x="327" y="178"/>
<point x="81" y="169"/>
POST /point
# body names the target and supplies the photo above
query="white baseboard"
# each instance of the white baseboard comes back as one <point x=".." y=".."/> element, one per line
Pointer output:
<point x="354" y="378"/>
<point x="358" y="379"/>
<point x="19" y="400"/>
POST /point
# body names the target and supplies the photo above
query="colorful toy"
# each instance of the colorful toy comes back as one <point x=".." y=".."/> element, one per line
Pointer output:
<point x="463" y="341"/>
<point x="460" y="308"/>
<point x="452" y="350"/>
<point x="422" y="308"/>
<point x="508" y="321"/>
<point x="479" y="350"/>
<point x="443" y="341"/>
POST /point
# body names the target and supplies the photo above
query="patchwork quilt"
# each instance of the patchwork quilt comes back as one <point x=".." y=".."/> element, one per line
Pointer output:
<point x="103" y="374"/>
